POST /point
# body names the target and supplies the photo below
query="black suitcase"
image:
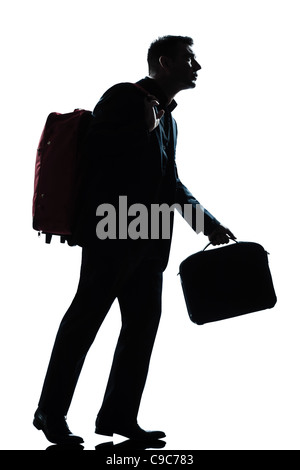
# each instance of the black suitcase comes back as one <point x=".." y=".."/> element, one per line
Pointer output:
<point x="227" y="282"/>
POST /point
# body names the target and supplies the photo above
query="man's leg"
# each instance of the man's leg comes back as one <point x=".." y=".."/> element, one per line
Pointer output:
<point x="99" y="280"/>
<point x="140" y="303"/>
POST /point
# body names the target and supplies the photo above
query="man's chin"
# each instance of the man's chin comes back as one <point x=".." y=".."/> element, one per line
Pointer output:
<point x="192" y="84"/>
<point x="189" y="85"/>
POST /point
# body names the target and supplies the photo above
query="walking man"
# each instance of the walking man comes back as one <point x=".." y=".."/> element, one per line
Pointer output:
<point x="130" y="151"/>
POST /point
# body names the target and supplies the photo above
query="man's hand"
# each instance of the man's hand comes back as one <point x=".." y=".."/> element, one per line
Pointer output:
<point x="151" y="116"/>
<point x="220" y="235"/>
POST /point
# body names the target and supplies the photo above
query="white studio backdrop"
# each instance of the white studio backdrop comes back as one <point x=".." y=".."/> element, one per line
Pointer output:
<point x="230" y="385"/>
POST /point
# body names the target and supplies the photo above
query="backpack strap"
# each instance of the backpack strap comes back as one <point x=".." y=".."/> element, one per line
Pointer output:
<point x="141" y="88"/>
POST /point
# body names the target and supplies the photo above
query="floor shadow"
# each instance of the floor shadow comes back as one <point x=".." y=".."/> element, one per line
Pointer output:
<point x="131" y="444"/>
<point x="58" y="447"/>
<point x="105" y="447"/>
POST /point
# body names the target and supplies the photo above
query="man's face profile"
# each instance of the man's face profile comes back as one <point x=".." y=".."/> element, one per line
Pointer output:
<point x="183" y="67"/>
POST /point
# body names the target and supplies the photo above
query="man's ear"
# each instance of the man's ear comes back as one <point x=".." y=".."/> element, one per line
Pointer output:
<point x="165" y="62"/>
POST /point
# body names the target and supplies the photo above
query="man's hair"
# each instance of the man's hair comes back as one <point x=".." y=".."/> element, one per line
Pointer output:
<point x="165" y="46"/>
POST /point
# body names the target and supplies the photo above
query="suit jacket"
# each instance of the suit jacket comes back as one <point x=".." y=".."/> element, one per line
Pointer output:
<point x="124" y="159"/>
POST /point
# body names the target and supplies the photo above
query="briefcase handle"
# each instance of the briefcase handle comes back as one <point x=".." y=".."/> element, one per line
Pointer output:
<point x="211" y="243"/>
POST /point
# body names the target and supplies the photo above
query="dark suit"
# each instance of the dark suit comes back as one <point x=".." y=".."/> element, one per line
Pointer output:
<point x="123" y="159"/>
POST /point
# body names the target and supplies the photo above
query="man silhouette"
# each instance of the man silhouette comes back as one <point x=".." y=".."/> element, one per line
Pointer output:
<point x="130" y="148"/>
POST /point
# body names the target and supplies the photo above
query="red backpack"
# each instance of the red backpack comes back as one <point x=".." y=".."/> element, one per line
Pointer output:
<point x="57" y="173"/>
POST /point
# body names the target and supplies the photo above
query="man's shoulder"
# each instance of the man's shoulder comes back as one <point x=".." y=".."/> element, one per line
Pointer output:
<point x="121" y="88"/>
<point x="121" y="94"/>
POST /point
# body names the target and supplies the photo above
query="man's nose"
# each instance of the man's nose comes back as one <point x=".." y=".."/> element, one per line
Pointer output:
<point x="197" y="66"/>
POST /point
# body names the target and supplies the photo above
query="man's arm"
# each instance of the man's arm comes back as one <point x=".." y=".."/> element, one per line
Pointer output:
<point x="211" y="227"/>
<point x="216" y="232"/>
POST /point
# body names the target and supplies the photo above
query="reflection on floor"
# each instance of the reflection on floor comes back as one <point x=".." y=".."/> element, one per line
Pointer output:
<point x="108" y="447"/>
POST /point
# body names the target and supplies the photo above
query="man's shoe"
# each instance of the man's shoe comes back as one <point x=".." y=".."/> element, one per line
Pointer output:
<point x="56" y="430"/>
<point x="131" y="432"/>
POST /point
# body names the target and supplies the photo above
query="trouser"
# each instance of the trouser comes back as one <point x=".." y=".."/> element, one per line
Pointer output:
<point x="137" y="286"/>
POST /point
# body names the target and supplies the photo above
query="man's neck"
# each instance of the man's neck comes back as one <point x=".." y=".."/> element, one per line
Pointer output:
<point x="166" y="87"/>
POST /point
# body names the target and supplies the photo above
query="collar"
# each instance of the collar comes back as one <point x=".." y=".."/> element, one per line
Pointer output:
<point x="154" y="89"/>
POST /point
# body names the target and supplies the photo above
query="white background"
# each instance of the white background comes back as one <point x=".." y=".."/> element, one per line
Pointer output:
<point x="229" y="385"/>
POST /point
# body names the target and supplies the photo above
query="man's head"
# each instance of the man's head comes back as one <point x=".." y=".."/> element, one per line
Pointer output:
<point x="171" y="58"/>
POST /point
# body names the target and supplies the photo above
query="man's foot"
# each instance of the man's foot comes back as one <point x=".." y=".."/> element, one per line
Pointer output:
<point x="56" y="430"/>
<point x="131" y="432"/>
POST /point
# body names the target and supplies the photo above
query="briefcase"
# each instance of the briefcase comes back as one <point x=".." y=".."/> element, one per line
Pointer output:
<point x="226" y="282"/>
